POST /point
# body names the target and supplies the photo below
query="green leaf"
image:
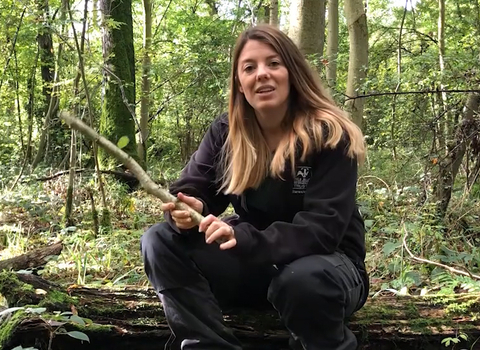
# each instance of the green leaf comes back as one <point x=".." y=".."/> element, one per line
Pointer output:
<point x="78" y="320"/>
<point x="124" y="140"/>
<point x="78" y="335"/>
<point x="389" y="247"/>
<point x="36" y="310"/>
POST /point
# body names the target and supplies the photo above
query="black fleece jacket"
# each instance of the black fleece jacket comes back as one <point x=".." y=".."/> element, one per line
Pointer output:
<point x="313" y="212"/>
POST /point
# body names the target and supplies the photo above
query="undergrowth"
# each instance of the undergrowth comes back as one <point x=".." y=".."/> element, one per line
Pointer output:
<point x="32" y="216"/>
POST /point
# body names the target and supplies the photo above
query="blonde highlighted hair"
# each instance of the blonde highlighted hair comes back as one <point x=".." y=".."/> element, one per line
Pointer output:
<point x="313" y="120"/>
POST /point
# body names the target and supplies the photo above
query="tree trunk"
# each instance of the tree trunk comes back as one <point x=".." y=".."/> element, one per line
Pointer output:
<point x="146" y="63"/>
<point x="213" y="7"/>
<point x="47" y="68"/>
<point x="118" y="111"/>
<point x="332" y="44"/>
<point x="449" y="166"/>
<point x="307" y="26"/>
<point x="73" y="136"/>
<point x="71" y="180"/>
<point x="358" y="57"/>
<point x="31" y="82"/>
<point x="444" y="121"/>
<point x="274" y="13"/>
<point x="385" y="322"/>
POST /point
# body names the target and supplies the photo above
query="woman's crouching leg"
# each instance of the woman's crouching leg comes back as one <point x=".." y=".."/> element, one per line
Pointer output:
<point x="191" y="310"/>
<point x="314" y="295"/>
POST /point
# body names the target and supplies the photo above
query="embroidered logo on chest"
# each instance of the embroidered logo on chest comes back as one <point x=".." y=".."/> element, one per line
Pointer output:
<point x="302" y="177"/>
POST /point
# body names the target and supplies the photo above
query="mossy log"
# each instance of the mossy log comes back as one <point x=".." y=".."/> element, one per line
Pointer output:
<point x="132" y="318"/>
<point x="34" y="259"/>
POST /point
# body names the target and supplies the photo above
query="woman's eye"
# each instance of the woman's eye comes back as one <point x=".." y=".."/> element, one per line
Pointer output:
<point x="274" y="63"/>
<point x="248" y="69"/>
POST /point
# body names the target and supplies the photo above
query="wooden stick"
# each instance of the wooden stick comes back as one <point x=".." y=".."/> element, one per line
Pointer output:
<point x="145" y="181"/>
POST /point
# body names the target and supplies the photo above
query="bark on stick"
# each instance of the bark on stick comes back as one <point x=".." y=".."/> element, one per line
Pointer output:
<point x="145" y="181"/>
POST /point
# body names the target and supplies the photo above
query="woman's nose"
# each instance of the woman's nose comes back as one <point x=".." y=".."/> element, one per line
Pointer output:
<point x="262" y="72"/>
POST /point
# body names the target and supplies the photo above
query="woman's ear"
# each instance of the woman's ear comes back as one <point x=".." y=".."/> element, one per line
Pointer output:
<point x="240" y="88"/>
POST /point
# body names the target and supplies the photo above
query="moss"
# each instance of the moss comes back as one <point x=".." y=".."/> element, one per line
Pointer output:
<point x="116" y="119"/>
<point x="7" y="327"/>
<point x="462" y="305"/>
<point x="15" y="291"/>
<point x="441" y="308"/>
<point x="56" y="300"/>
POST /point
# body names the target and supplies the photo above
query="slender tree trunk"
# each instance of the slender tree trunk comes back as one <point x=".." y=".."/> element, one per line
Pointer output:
<point x="105" y="212"/>
<point x="47" y="68"/>
<point x="358" y="59"/>
<point x="274" y="13"/>
<point x="332" y="44"/>
<point x="71" y="180"/>
<point x="146" y="63"/>
<point x="444" y="121"/>
<point x="399" y="83"/>
<point x="52" y="88"/>
<point x="307" y="26"/>
<point x="73" y="137"/>
<point x="17" y="102"/>
<point x="31" y="82"/>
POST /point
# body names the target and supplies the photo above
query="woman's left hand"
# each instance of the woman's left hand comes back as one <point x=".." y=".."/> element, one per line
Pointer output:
<point x="216" y="229"/>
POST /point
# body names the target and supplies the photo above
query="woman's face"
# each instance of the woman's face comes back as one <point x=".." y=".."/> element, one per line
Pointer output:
<point x="263" y="78"/>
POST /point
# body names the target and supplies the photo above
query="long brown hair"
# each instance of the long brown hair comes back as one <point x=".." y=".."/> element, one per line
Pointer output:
<point x="246" y="158"/>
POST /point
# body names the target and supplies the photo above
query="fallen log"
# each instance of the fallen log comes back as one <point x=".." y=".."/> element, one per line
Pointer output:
<point x="33" y="259"/>
<point x="132" y="318"/>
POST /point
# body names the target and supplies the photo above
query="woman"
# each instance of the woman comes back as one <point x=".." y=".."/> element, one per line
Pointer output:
<point x="286" y="158"/>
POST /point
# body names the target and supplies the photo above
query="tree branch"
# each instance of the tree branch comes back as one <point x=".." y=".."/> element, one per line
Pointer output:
<point x="145" y="181"/>
<point x="373" y="94"/>
<point x="451" y="269"/>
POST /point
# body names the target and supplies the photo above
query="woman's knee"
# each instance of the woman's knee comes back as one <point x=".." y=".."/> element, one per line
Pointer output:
<point x="155" y="237"/>
<point x="306" y="278"/>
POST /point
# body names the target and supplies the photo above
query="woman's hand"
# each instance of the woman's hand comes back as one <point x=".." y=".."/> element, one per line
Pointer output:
<point x="182" y="218"/>
<point x="216" y="229"/>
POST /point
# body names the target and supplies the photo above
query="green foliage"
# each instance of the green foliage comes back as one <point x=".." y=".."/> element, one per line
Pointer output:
<point x="59" y="329"/>
<point x="190" y="62"/>
<point x="454" y="340"/>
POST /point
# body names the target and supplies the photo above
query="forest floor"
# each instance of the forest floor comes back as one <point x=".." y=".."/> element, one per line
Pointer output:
<point x="32" y="216"/>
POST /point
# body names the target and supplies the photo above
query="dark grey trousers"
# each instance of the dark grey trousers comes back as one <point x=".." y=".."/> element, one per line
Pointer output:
<point x="195" y="281"/>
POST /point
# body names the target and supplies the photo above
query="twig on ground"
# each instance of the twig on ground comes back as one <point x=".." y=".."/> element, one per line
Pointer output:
<point x="426" y="261"/>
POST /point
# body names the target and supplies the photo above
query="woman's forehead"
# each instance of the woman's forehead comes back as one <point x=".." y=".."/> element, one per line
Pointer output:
<point x="254" y="49"/>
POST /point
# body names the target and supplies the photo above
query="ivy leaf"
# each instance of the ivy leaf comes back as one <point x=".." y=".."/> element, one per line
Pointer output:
<point x="124" y="140"/>
<point x="78" y="335"/>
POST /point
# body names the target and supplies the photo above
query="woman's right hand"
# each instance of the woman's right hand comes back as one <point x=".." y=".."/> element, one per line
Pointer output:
<point x="182" y="218"/>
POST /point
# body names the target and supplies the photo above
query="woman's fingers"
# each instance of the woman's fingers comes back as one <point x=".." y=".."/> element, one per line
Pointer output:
<point x="206" y="222"/>
<point x="167" y="206"/>
<point x="229" y="244"/>
<point x="192" y="202"/>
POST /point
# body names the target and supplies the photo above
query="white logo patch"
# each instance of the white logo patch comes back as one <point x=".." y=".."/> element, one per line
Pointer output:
<point x="302" y="177"/>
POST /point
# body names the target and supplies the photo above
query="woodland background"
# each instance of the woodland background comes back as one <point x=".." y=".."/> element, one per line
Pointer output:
<point x="151" y="76"/>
